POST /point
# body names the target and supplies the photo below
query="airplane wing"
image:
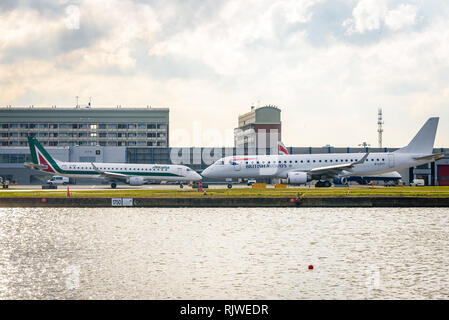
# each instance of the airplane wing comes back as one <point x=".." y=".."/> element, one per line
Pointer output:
<point x="110" y="175"/>
<point x="433" y="157"/>
<point x="334" y="170"/>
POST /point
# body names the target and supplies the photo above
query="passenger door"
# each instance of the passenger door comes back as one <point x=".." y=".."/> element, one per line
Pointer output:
<point x="390" y="160"/>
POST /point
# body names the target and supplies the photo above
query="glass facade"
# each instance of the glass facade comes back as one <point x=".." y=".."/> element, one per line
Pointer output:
<point x="15" y="158"/>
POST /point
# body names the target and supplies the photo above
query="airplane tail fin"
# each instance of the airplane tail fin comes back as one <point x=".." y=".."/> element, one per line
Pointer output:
<point x="282" y="149"/>
<point x="423" y="142"/>
<point x="40" y="158"/>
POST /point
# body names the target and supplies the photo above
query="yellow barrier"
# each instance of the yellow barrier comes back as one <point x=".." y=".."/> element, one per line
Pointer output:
<point x="280" y="186"/>
<point x="259" y="185"/>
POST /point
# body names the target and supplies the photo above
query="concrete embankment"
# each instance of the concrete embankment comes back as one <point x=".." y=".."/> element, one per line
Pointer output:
<point x="225" y="202"/>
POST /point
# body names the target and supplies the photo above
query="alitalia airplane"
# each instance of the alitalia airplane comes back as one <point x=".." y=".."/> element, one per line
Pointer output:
<point x="300" y="169"/>
<point x="132" y="174"/>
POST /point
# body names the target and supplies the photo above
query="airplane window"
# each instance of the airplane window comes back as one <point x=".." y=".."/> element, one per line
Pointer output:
<point x="302" y="161"/>
<point x="285" y="161"/>
<point x="188" y="170"/>
<point x="308" y="161"/>
<point x="330" y="160"/>
<point x="314" y="161"/>
<point x="377" y="159"/>
<point x="257" y="162"/>
<point x="268" y="161"/>
<point x="296" y="161"/>
<point x="280" y="161"/>
<point x="325" y="160"/>
<point x="319" y="160"/>
<point x="372" y="159"/>
<point x="351" y="160"/>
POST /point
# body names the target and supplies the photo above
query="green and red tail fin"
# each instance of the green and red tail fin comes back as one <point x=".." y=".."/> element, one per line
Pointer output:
<point x="40" y="156"/>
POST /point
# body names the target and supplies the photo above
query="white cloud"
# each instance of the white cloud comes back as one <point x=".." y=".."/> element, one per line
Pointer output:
<point x="21" y="26"/>
<point x="366" y="16"/>
<point x="401" y="17"/>
<point x="222" y="44"/>
<point x="294" y="11"/>
<point x="126" y="22"/>
<point x="369" y="15"/>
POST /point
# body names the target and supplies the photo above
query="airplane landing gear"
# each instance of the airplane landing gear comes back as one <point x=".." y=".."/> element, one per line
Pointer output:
<point x="113" y="185"/>
<point x="322" y="184"/>
<point x="229" y="186"/>
<point x="181" y="186"/>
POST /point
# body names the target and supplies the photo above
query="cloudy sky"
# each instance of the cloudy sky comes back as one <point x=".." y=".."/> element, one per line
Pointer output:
<point x="327" y="64"/>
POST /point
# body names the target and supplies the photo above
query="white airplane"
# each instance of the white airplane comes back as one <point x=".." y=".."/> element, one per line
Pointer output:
<point x="300" y="169"/>
<point x="388" y="176"/>
<point x="132" y="174"/>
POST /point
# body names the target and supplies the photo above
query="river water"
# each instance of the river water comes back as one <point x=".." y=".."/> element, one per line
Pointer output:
<point x="218" y="253"/>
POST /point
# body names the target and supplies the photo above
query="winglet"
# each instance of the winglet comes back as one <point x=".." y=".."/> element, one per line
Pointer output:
<point x="362" y="160"/>
<point x="95" y="168"/>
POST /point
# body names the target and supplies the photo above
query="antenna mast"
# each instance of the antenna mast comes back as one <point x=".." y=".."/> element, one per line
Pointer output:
<point x="380" y="130"/>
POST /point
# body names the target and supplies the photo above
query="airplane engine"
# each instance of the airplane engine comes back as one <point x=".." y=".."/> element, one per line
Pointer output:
<point x="135" y="181"/>
<point x="298" y="178"/>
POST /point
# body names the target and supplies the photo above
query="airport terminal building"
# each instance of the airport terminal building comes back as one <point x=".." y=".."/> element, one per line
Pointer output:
<point x="60" y="127"/>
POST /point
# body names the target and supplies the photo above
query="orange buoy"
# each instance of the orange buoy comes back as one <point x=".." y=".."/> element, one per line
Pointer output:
<point x="68" y="191"/>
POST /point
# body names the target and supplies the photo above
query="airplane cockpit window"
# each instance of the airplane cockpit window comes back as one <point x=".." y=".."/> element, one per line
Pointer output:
<point x="220" y="162"/>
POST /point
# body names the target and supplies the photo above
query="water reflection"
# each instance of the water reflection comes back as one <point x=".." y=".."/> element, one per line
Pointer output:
<point x="216" y="253"/>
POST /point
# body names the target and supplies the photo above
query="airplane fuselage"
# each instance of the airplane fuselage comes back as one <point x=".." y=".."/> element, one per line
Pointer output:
<point x="278" y="166"/>
<point x="151" y="172"/>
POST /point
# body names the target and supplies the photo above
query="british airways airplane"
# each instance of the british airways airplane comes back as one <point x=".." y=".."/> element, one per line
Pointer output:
<point x="300" y="169"/>
<point x="132" y="174"/>
<point x="389" y="176"/>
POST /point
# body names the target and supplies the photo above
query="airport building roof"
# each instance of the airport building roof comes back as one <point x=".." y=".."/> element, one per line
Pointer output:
<point x="83" y="114"/>
<point x="263" y="115"/>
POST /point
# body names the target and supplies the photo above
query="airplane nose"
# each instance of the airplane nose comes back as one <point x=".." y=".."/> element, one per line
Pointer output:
<point x="206" y="172"/>
<point x="197" y="176"/>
